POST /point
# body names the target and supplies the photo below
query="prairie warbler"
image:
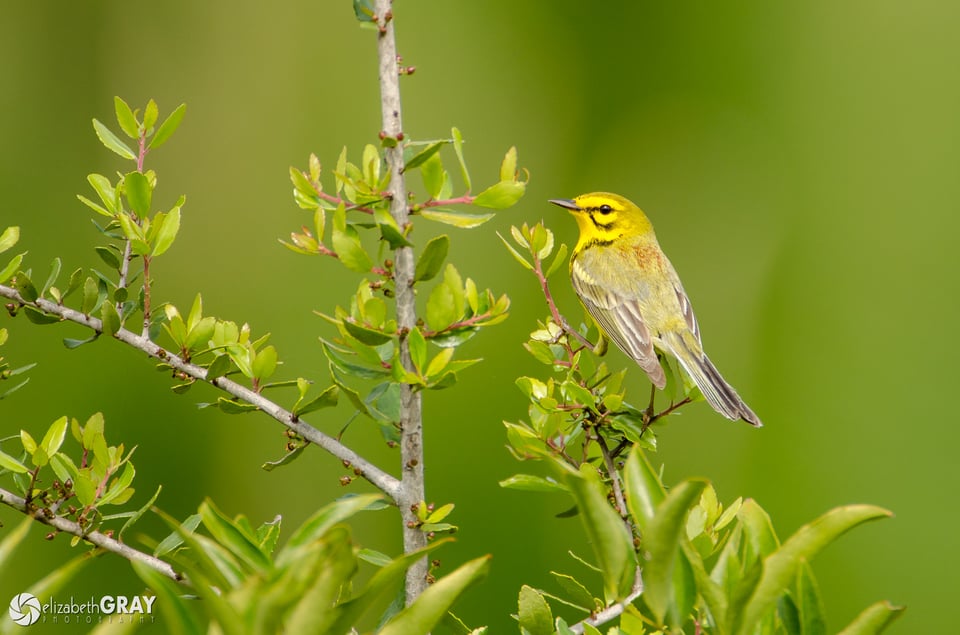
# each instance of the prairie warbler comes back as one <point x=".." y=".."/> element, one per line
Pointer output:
<point x="633" y="293"/>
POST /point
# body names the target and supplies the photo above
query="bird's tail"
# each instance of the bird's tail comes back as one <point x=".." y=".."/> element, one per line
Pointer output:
<point x="718" y="393"/>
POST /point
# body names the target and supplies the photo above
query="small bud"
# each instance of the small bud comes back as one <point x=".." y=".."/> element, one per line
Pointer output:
<point x="382" y="134"/>
<point x="431" y="579"/>
<point x="399" y="136"/>
<point x="346" y="464"/>
<point x="435" y="563"/>
<point x="51" y="535"/>
<point x="345" y="480"/>
<point x="411" y="524"/>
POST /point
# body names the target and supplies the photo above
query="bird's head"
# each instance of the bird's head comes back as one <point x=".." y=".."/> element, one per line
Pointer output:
<point x="604" y="217"/>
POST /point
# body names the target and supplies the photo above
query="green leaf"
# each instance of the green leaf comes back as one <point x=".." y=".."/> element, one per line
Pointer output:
<point x="576" y="591"/>
<point x="90" y="293"/>
<point x="457" y="219"/>
<point x="531" y="483"/>
<point x="780" y="568"/>
<point x="110" y="318"/>
<point x="178" y="614"/>
<point x="418" y="159"/>
<point x="661" y="540"/>
<point x="226" y="532"/>
<point x="168" y="232"/>
<point x="286" y="459"/>
<point x="9" y="238"/>
<point x="231" y="407"/>
<point x="508" y="167"/>
<point x="559" y="260"/>
<point x="120" y="487"/>
<point x="126" y="119"/>
<point x="137" y="515"/>
<point x="112" y="141"/>
<point x="327" y="399"/>
<point x="379" y="591"/>
<point x="325" y="518"/>
<point x="424" y="614"/>
<point x="431" y="259"/>
<point x="106" y="191"/>
<point x="434" y="176"/>
<point x="94" y="206"/>
<point x="458" y="147"/>
<point x="389" y="230"/>
<point x="363" y="9"/>
<point x="55" y="435"/>
<point x="874" y="619"/>
<point x="439" y="362"/>
<point x="516" y="254"/>
<point x="12" y="539"/>
<point x="534" y="613"/>
<point x="139" y="193"/>
<point x="501" y="195"/>
<point x="175" y="539"/>
<point x="606" y="531"/>
<point x="812" y="617"/>
<point x="37" y="316"/>
<point x="644" y="491"/>
<point x="7" y="462"/>
<point x="441" y="308"/>
<point x="265" y="363"/>
<point x="418" y="349"/>
<point x="25" y="288"/>
<point x="150" y="114"/>
<point x="168" y="127"/>
<point x="346" y="242"/>
<point x="109" y="257"/>
<point x="11" y="268"/>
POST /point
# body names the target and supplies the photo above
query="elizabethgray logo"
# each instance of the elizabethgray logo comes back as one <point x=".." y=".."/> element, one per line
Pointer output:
<point x="25" y="609"/>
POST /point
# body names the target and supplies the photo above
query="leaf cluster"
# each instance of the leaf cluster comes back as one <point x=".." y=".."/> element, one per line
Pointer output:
<point x="77" y="485"/>
<point x="245" y="583"/>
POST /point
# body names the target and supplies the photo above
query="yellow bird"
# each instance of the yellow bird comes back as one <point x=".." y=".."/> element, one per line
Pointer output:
<point x="633" y="293"/>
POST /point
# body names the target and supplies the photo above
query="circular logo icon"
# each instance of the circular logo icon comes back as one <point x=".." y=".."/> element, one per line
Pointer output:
<point x="25" y="609"/>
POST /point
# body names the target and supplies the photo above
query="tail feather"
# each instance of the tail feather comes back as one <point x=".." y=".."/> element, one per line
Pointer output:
<point x="718" y="393"/>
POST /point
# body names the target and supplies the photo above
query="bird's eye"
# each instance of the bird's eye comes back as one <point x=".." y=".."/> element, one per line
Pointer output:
<point x="605" y="209"/>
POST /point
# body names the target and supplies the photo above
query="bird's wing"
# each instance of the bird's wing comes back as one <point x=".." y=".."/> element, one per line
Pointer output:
<point x="618" y="314"/>
<point x="687" y="310"/>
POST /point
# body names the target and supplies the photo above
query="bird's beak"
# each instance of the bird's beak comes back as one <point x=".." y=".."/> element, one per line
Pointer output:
<point x="566" y="203"/>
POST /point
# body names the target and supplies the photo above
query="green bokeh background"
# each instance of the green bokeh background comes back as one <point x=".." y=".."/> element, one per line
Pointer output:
<point x="799" y="162"/>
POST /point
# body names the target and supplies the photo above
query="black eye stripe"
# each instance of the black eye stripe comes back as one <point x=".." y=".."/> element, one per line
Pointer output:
<point x="601" y="221"/>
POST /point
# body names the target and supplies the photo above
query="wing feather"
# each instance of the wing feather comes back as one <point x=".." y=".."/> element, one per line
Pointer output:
<point x="620" y="318"/>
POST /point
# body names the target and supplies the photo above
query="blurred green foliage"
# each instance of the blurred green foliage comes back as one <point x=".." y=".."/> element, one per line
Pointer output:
<point x="807" y="154"/>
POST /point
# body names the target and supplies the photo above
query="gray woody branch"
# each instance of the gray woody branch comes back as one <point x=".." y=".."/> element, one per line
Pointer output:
<point x="97" y="538"/>
<point x="411" y="420"/>
<point x="383" y="481"/>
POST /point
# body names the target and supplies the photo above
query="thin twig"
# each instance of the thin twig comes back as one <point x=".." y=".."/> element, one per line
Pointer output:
<point x="383" y="481"/>
<point x="558" y="319"/>
<point x="613" y="611"/>
<point x="412" y="491"/>
<point x="97" y="538"/>
<point x="614" y="480"/>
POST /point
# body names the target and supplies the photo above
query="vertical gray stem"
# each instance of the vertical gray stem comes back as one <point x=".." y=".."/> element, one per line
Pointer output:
<point x="411" y="422"/>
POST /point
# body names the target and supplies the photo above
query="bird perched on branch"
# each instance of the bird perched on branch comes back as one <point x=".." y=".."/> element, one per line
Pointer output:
<point x="634" y="294"/>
